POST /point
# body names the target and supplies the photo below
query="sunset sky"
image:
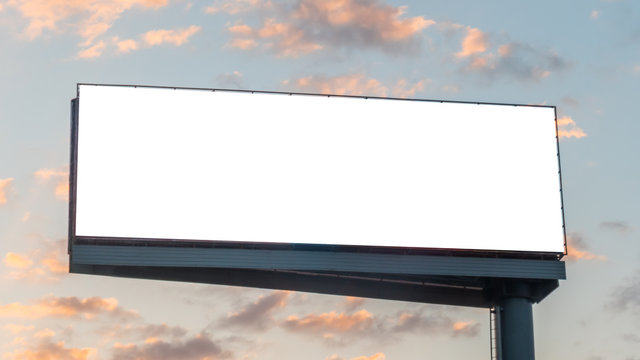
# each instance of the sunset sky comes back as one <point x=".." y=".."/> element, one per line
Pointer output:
<point x="583" y="57"/>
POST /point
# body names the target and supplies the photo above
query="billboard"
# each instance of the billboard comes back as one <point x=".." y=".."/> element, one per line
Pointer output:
<point x="244" y="167"/>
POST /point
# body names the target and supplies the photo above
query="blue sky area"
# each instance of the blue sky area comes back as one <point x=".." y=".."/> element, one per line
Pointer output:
<point x="583" y="57"/>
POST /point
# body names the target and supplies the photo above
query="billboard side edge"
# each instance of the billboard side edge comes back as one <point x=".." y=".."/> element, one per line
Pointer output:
<point x="564" y="227"/>
<point x="73" y="154"/>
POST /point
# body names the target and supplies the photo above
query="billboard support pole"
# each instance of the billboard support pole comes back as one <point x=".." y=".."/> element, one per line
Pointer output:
<point x="516" y="322"/>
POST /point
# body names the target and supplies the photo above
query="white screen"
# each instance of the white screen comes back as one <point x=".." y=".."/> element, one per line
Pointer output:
<point x="238" y="166"/>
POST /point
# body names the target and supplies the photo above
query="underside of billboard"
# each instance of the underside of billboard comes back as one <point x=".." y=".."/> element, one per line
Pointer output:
<point x="419" y="200"/>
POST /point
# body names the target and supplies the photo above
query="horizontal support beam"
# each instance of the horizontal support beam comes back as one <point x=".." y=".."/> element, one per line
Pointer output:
<point x="317" y="261"/>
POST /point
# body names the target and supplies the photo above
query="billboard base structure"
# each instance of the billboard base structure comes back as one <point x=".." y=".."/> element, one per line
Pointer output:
<point x="453" y="280"/>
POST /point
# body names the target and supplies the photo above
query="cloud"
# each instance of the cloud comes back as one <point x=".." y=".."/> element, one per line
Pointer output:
<point x="577" y="249"/>
<point x="627" y="296"/>
<point x="142" y="331"/>
<point x="93" y="51"/>
<point x="197" y="348"/>
<point x="126" y="45"/>
<point x="258" y="315"/>
<point x="334" y="24"/>
<point x="355" y="84"/>
<point x="5" y="184"/>
<point x="512" y="60"/>
<point x="233" y="7"/>
<point x="567" y="129"/>
<point x="61" y="178"/>
<point x="376" y="356"/>
<point x="45" y="264"/>
<point x="17" y="261"/>
<point x="620" y="227"/>
<point x="230" y="80"/>
<point x="45" y="349"/>
<point x="89" y="19"/>
<point x="465" y="328"/>
<point x="351" y="302"/>
<point x="595" y="14"/>
<point x="176" y="37"/>
<point x="474" y="42"/>
<point x="330" y="322"/>
<point x="66" y="307"/>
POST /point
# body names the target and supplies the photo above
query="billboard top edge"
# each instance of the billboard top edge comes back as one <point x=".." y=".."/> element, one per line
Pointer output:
<point x="311" y="94"/>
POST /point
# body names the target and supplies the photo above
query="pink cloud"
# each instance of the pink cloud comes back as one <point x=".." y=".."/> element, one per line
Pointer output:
<point x="4" y="187"/>
<point x="376" y="356"/>
<point x="315" y="25"/>
<point x="176" y="37"/>
<point x="355" y="84"/>
<point x="567" y="128"/>
<point x="89" y="19"/>
<point x="474" y="42"/>
<point x="125" y="46"/>
<point x="45" y="349"/>
<point x="65" y="307"/>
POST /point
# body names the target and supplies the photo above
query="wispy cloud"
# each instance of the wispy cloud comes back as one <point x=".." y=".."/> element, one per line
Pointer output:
<point x="5" y="184"/>
<point x="233" y="7"/>
<point x="309" y="26"/>
<point x="577" y="249"/>
<point x="620" y="227"/>
<point x="258" y="315"/>
<point x="330" y="322"/>
<point x="198" y="347"/>
<point x="567" y="128"/>
<point x="376" y="356"/>
<point x="60" y="177"/>
<point x="89" y="19"/>
<point x="230" y="80"/>
<point x="46" y="264"/>
<point x="627" y="296"/>
<point x="66" y="307"/>
<point x="355" y="84"/>
<point x="176" y="37"/>
<point x="41" y="347"/>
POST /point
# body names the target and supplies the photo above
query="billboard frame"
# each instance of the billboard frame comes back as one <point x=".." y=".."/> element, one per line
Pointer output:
<point x="447" y="276"/>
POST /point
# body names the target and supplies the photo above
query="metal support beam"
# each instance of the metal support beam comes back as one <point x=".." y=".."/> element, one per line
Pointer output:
<point x="516" y="323"/>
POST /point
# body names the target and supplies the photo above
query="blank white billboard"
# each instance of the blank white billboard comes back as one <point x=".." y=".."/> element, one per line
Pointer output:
<point x="158" y="163"/>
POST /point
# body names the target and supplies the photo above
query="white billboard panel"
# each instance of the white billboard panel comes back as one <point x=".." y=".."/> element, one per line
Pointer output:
<point x="158" y="163"/>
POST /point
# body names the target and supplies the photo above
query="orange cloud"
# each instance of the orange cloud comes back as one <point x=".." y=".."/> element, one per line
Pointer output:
<point x="332" y="321"/>
<point x="48" y="263"/>
<point x="125" y="46"/>
<point x="176" y="37"/>
<point x="356" y="84"/>
<point x="45" y="349"/>
<point x="90" y="18"/>
<point x="567" y="128"/>
<point x="60" y="175"/>
<point x="577" y="249"/>
<point x="379" y="19"/>
<point x="473" y="43"/>
<point x="315" y="25"/>
<point x="4" y="187"/>
<point x="65" y="307"/>
<point x="376" y="356"/>
<point x="402" y="89"/>
<point x="17" y="261"/>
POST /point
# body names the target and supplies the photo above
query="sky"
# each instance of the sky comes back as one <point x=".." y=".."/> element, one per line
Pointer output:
<point x="583" y="57"/>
